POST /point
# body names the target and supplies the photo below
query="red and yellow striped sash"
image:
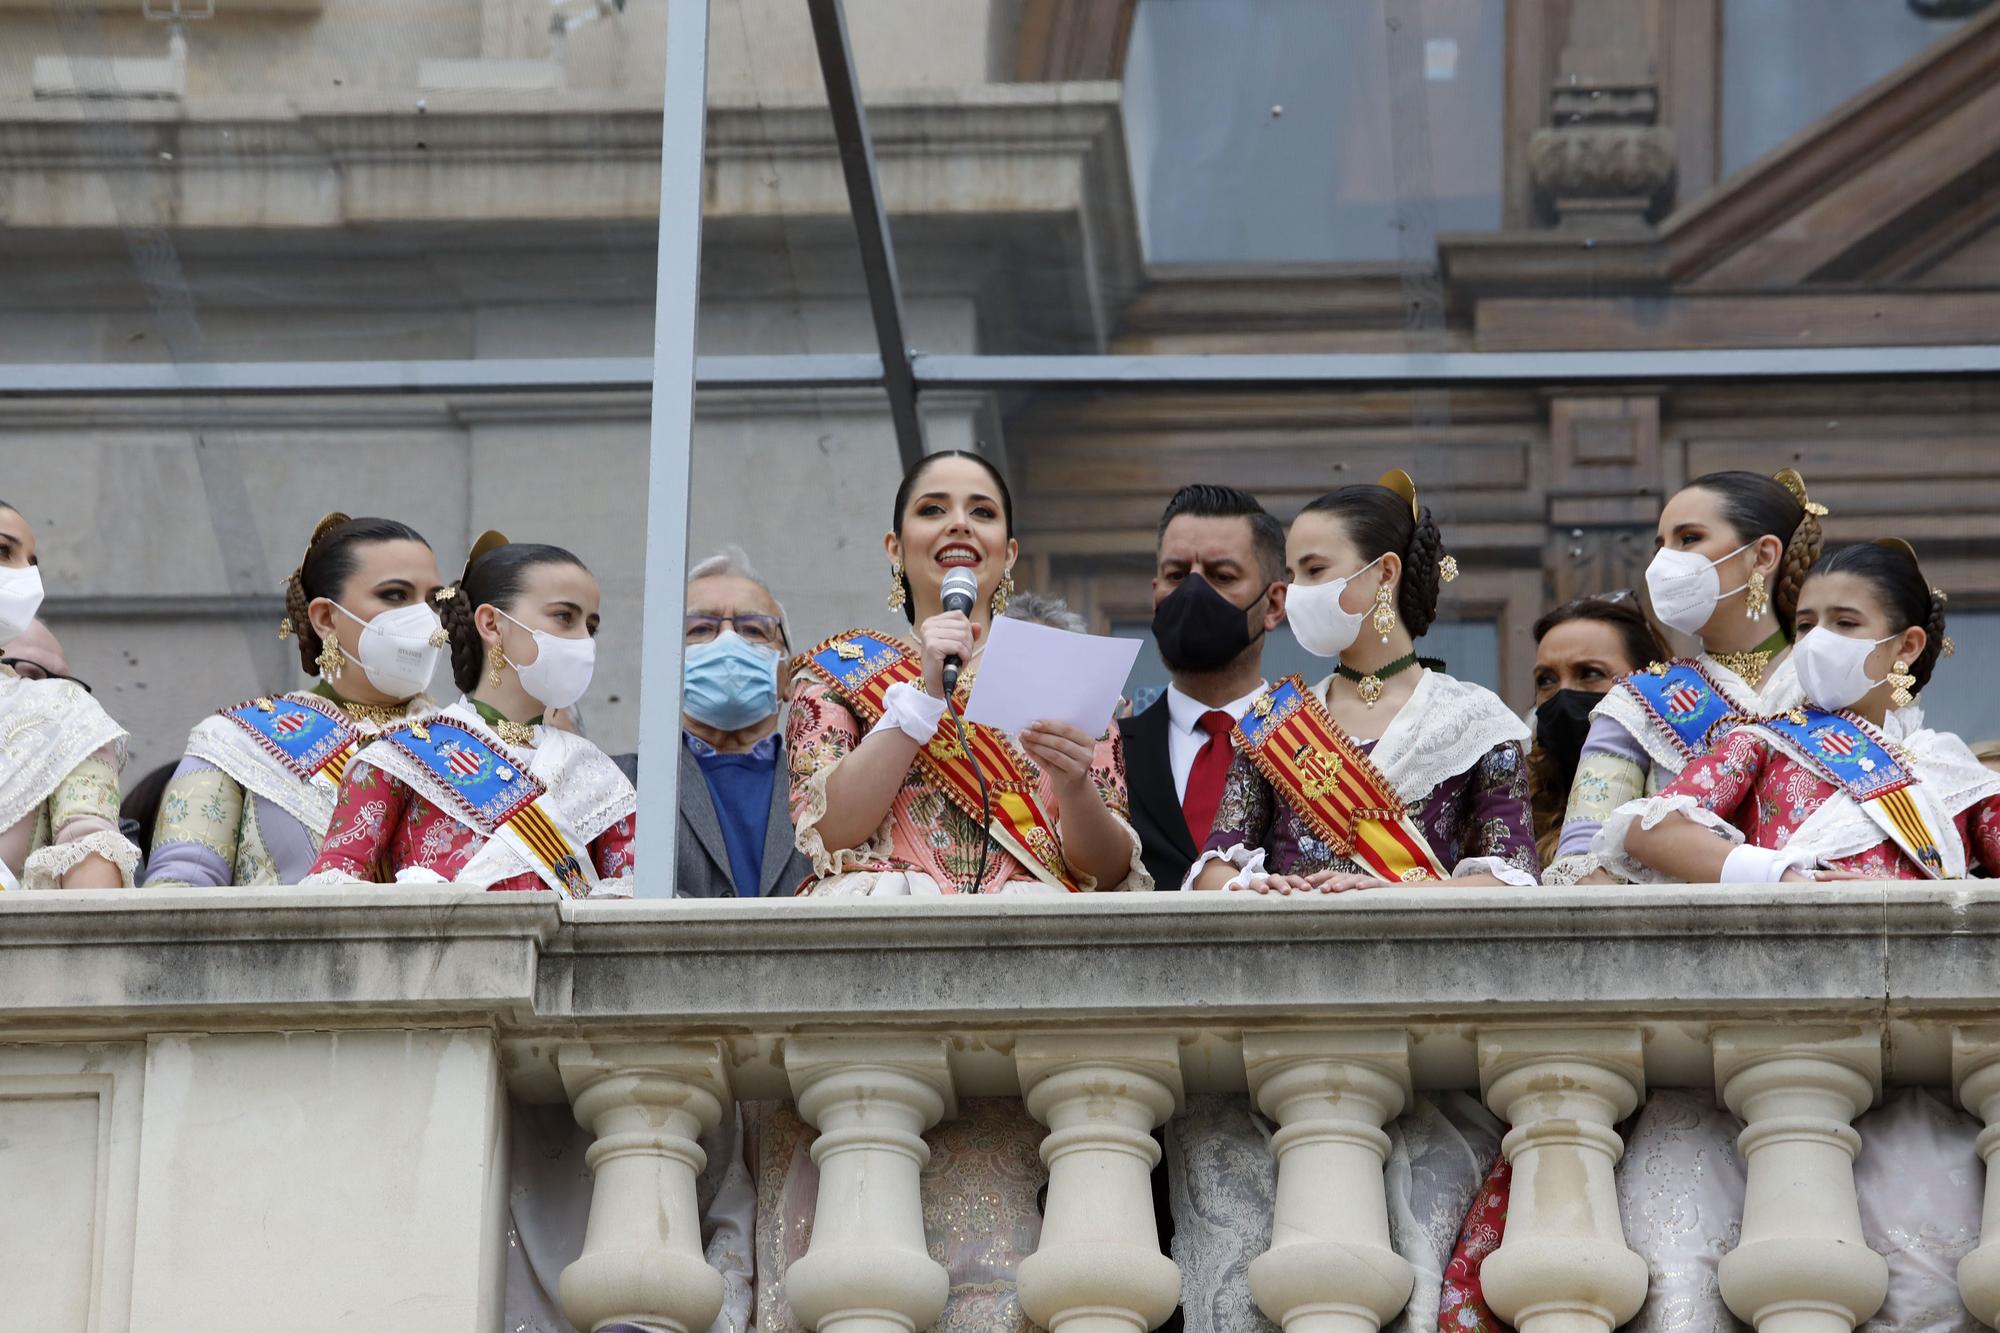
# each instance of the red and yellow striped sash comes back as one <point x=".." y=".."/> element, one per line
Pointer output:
<point x="860" y="666"/>
<point x="1324" y="775"/>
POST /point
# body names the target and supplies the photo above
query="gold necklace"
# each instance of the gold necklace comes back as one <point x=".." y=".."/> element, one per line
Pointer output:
<point x="516" y="733"/>
<point x="1749" y="665"/>
<point x="1752" y="664"/>
<point x="381" y="715"/>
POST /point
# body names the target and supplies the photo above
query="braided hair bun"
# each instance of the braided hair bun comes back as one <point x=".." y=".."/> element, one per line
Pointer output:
<point x="1758" y="506"/>
<point x="1387" y="518"/>
<point x="495" y="574"/>
<point x="1890" y="567"/>
<point x="331" y="557"/>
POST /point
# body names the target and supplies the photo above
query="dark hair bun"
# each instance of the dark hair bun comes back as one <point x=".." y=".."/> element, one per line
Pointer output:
<point x="1422" y="565"/>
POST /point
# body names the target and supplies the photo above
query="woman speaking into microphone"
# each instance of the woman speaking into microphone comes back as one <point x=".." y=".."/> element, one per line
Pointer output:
<point x="885" y="798"/>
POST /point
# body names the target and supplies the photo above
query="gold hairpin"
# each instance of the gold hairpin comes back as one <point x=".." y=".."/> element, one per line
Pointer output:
<point x="1790" y="479"/>
<point x="489" y="541"/>
<point x="1399" y="481"/>
<point x="443" y="595"/>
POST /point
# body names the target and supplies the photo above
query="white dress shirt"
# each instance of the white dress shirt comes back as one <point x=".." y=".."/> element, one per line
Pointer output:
<point x="1184" y="734"/>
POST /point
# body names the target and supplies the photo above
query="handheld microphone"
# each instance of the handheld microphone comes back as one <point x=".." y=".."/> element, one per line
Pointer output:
<point x="961" y="590"/>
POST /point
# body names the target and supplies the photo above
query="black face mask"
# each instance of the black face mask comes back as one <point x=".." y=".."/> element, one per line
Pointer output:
<point x="1562" y="721"/>
<point x="1198" y="629"/>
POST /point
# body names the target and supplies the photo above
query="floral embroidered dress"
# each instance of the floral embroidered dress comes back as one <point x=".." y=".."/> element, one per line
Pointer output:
<point x="386" y="830"/>
<point x="926" y="844"/>
<point x="1454" y="754"/>
<point x="60" y="754"/>
<point x="1627" y="754"/>
<point x="1750" y="788"/>
<point x="236" y="813"/>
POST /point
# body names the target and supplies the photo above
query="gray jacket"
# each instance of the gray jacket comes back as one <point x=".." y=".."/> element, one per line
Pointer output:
<point x="701" y="857"/>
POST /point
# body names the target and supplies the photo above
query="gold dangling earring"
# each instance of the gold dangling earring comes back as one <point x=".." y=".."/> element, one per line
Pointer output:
<point x="1385" y="613"/>
<point x="1002" y="594"/>
<point x="331" y="661"/>
<point x="1900" y="677"/>
<point x="898" y="595"/>
<point x="495" y="663"/>
<point x="1755" y="596"/>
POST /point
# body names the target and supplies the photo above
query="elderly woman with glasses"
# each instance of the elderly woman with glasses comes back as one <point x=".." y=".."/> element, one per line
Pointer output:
<point x="59" y="752"/>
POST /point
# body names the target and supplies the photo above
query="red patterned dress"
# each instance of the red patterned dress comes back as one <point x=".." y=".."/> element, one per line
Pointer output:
<point x="384" y="831"/>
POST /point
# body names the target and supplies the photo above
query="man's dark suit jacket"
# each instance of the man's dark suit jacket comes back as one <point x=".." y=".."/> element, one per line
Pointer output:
<point x="701" y="863"/>
<point x="1166" y="846"/>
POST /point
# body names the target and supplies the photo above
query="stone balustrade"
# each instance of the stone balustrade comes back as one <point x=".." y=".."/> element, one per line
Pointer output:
<point x="216" y="1105"/>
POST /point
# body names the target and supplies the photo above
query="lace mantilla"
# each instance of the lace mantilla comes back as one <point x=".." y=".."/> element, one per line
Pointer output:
<point x="218" y="741"/>
<point x="1444" y="730"/>
<point x="47" y="728"/>
<point x="47" y="866"/>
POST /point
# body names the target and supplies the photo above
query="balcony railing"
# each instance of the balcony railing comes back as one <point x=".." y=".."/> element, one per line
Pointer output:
<point x="217" y="1106"/>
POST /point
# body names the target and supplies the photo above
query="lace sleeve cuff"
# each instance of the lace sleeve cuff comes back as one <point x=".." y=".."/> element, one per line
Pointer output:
<point x="1573" y="869"/>
<point x="1497" y="866"/>
<point x="334" y="878"/>
<point x="1249" y="863"/>
<point x="805" y="831"/>
<point x="45" y="868"/>
<point x="1648" y="812"/>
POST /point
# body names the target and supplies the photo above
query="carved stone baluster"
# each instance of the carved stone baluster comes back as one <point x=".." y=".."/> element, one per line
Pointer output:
<point x="1563" y="1266"/>
<point x="1330" y="1268"/>
<point x="1099" y="1268"/>
<point x="642" y="1254"/>
<point x="1801" y="1266"/>
<point x="1975" y="1071"/>
<point x="868" y="1269"/>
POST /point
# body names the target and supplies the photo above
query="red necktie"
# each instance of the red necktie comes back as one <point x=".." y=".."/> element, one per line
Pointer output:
<point x="1211" y="767"/>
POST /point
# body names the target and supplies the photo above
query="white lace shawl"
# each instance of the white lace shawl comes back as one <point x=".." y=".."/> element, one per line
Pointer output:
<point x="586" y="790"/>
<point x="47" y="728"/>
<point x="1444" y="730"/>
<point x="1949" y="779"/>
<point x="217" y="740"/>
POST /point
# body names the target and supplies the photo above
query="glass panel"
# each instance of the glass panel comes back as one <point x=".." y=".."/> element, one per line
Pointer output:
<point x="328" y="179"/>
<point x="780" y="272"/>
<point x="1786" y="64"/>
<point x="1268" y="176"/>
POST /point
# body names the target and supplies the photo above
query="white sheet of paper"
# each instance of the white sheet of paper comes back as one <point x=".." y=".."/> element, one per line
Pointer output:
<point x="1032" y="673"/>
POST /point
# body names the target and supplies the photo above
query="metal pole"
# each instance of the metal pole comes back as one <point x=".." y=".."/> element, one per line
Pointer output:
<point x="676" y="304"/>
<point x="871" y="222"/>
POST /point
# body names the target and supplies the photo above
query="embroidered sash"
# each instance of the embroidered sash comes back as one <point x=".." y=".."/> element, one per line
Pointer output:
<point x="1317" y="767"/>
<point x="1848" y="753"/>
<point x="490" y="793"/>
<point x="311" y="739"/>
<point x="1683" y="704"/>
<point x="860" y="666"/>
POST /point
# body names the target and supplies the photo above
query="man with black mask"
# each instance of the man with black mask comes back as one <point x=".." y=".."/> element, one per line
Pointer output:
<point x="1218" y="589"/>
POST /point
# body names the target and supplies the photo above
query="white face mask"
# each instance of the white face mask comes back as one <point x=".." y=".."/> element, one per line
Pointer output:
<point x="399" y="649"/>
<point x="561" y="670"/>
<point x="1319" y="622"/>
<point x="1685" y="588"/>
<point x="20" y="599"/>
<point x="1833" y="669"/>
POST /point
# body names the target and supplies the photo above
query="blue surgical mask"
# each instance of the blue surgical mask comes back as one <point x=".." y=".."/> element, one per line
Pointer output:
<point x="729" y="683"/>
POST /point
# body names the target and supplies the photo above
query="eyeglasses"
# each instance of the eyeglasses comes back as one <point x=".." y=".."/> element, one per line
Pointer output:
<point x="1613" y="597"/>
<point x="28" y="670"/>
<point x="764" y="631"/>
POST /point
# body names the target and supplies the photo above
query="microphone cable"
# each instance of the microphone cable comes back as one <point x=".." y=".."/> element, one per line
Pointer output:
<point x="985" y="793"/>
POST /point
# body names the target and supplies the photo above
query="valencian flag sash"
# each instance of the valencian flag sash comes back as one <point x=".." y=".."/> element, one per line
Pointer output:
<point x="309" y="738"/>
<point x="1316" y="767"/>
<point x="1847" y="753"/>
<point x="1685" y="704"/>
<point x="861" y="666"/>
<point x="495" y="796"/>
